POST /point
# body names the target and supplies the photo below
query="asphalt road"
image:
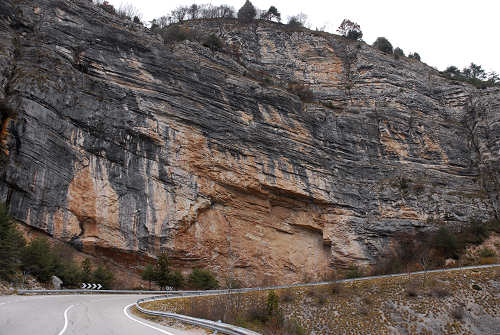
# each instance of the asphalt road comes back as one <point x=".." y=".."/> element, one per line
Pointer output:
<point x="75" y="314"/>
<point x="102" y="314"/>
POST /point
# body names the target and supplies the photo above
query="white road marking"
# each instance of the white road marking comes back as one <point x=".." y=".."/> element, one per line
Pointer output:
<point x="143" y="323"/>
<point x="2" y="303"/>
<point x="65" y="320"/>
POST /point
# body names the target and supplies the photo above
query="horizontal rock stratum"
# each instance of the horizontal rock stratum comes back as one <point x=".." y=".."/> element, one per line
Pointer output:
<point x="125" y="146"/>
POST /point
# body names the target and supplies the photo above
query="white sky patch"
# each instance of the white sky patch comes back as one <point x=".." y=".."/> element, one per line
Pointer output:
<point x="443" y="32"/>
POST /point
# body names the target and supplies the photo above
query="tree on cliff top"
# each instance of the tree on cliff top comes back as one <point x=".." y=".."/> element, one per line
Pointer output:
<point x="247" y="13"/>
<point x="350" y="30"/>
<point x="11" y="245"/>
<point x="383" y="45"/>
<point x="272" y="13"/>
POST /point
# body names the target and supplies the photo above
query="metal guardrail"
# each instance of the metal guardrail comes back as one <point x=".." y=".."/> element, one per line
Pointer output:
<point x="218" y="326"/>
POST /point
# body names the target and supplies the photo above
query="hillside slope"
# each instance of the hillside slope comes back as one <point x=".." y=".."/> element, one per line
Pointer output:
<point x="125" y="146"/>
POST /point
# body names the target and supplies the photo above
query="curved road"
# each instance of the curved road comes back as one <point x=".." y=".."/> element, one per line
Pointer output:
<point x="75" y="315"/>
<point x="103" y="314"/>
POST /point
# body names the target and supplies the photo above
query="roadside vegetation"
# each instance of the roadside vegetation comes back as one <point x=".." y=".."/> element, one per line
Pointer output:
<point x="41" y="260"/>
<point x="161" y="274"/>
<point x="452" y="302"/>
<point x="444" y="247"/>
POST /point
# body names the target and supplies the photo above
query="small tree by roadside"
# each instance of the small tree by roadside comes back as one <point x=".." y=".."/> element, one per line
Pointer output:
<point x="148" y="274"/>
<point x="103" y="276"/>
<point x="176" y="280"/>
<point x="202" y="279"/>
<point x="86" y="271"/>
<point x="37" y="259"/>
<point x="272" y="303"/>
<point x="11" y="245"/>
<point x="161" y="271"/>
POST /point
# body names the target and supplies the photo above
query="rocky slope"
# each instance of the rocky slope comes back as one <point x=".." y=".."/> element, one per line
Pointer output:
<point x="125" y="146"/>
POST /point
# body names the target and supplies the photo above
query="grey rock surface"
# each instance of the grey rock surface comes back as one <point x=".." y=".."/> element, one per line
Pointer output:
<point x="123" y="145"/>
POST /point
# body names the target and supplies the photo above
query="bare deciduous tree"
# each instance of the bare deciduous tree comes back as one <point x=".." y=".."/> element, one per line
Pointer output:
<point x="127" y="10"/>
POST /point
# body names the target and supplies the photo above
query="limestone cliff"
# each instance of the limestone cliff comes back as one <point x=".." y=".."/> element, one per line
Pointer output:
<point x="125" y="146"/>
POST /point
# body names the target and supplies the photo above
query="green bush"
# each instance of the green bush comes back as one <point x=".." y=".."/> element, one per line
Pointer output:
<point x="213" y="43"/>
<point x="176" y="33"/>
<point x="350" y="30"/>
<point x="294" y="23"/>
<point x="148" y="274"/>
<point x="383" y="45"/>
<point x="69" y="273"/>
<point x="272" y="303"/>
<point x="161" y="271"/>
<point x="11" y="245"/>
<point x="176" y="279"/>
<point x="202" y="279"/>
<point x="414" y="55"/>
<point x="86" y="271"/>
<point x="353" y="271"/>
<point x="38" y="260"/>
<point x="447" y="243"/>
<point x="103" y="276"/>
<point x="476" y="232"/>
<point x="398" y="53"/>
<point x="247" y="13"/>
<point x="486" y="252"/>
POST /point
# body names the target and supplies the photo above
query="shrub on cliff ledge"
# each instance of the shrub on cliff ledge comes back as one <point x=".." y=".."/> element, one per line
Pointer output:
<point x="247" y="13"/>
<point x="176" y="33"/>
<point x="383" y="45"/>
<point x="213" y="43"/>
<point x="398" y="53"/>
<point x="305" y="93"/>
<point x="415" y="56"/>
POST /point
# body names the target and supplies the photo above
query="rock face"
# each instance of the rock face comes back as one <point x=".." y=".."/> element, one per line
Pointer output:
<point x="125" y="146"/>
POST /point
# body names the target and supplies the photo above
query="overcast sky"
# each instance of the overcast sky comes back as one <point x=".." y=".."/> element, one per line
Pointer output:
<point x="443" y="32"/>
